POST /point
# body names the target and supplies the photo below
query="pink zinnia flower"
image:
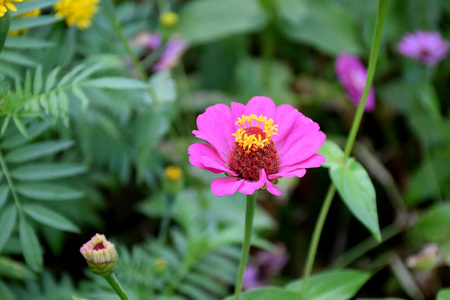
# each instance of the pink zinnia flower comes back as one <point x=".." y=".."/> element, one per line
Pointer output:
<point x="426" y="47"/>
<point x="255" y="144"/>
<point x="173" y="51"/>
<point x="352" y="75"/>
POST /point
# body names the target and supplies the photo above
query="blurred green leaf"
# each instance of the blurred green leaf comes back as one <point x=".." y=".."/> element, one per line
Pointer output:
<point x="444" y="294"/>
<point x="116" y="83"/>
<point x="13" y="269"/>
<point x="30" y="22"/>
<point x="269" y="293"/>
<point x="17" y="58"/>
<point x="48" y="191"/>
<point x="434" y="223"/>
<point x="7" y="224"/>
<point x="6" y="293"/>
<point x="46" y="171"/>
<point x="4" y="190"/>
<point x="16" y="139"/>
<point x="37" y="150"/>
<point x="25" y="42"/>
<point x="32" y="250"/>
<point x="27" y="6"/>
<point x="322" y="24"/>
<point x="341" y="284"/>
<point x="333" y="154"/>
<point x="49" y="217"/>
<point x="4" y="28"/>
<point x="203" y="21"/>
<point x="357" y="191"/>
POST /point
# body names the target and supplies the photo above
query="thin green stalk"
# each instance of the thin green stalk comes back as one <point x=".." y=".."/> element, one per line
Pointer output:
<point x="316" y="235"/>
<point x="249" y="213"/>
<point x="381" y="17"/>
<point x="114" y="283"/>
<point x="166" y="219"/>
<point x="9" y="181"/>
<point x="118" y="29"/>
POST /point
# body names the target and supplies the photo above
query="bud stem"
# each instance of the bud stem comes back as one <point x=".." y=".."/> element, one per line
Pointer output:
<point x="249" y="213"/>
<point x="114" y="283"/>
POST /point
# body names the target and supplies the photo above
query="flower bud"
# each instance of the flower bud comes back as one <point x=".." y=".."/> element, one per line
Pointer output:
<point x="160" y="265"/>
<point x="173" y="180"/>
<point x="100" y="255"/>
<point x="169" y="19"/>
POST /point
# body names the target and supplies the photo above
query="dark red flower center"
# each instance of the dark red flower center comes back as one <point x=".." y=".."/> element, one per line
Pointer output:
<point x="254" y="148"/>
<point x="99" y="246"/>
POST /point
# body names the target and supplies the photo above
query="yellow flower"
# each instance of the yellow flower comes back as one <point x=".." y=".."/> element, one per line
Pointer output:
<point x="6" y="4"/>
<point x="33" y="13"/>
<point x="169" y="18"/>
<point x="76" y="12"/>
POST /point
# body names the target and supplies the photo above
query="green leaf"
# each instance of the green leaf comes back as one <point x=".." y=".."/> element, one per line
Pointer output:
<point x="27" y="6"/>
<point x="16" y="139"/>
<point x="48" y="191"/>
<point x="434" y="223"/>
<point x="7" y="223"/>
<point x="116" y="83"/>
<point x="4" y="28"/>
<point x="357" y="191"/>
<point x="51" y="78"/>
<point x="17" y="58"/>
<point x="46" y="171"/>
<point x="30" y="22"/>
<point x="310" y="22"/>
<point x="32" y="250"/>
<point x="444" y="294"/>
<point x="5" y="292"/>
<point x="37" y="84"/>
<point x="333" y="154"/>
<point x="37" y="150"/>
<point x="4" y="190"/>
<point x="20" y="126"/>
<point x="50" y="218"/>
<point x="13" y="269"/>
<point x="336" y="285"/>
<point x="203" y="21"/>
<point x="25" y="42"/>
<point x="78" y="92"/>
<point x="269" y="293"/>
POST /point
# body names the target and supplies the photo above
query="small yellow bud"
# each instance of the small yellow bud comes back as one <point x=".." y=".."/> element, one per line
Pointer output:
<point x="173" y="173"/>
<point x="169" y="19"/>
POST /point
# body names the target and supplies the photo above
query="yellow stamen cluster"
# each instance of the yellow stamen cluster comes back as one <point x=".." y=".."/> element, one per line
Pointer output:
<point x="77" y="12"/>
<point x="5" y="5"/>
<point x="247" y="141"/>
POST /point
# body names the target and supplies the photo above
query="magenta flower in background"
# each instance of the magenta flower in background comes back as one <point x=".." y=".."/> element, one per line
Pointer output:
<point x="267" y="265"/>
<point x="173" y="51"/>
<point x="426" y="47"/>
<point x="352" y="75"/>
<point x="255" y="144"/>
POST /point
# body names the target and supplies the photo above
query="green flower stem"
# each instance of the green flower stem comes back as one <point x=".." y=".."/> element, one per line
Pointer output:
<point x="10" y="182"/>
<point x="381" y="17"/>
<point x="118" y="29"/>
<point x="170" y="199"/>
<point x="249" y="213"/>
<point x="316" y="235"/>
<point x="114" y="283"/>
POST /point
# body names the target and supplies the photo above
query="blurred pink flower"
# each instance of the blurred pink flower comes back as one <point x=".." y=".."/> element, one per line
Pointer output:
<point x="173" y="51"/>
<point x="352" y="75"/>
<point x="255" y="144"/>
<point x="267" y="265"/>
<point x="426" y="47"/>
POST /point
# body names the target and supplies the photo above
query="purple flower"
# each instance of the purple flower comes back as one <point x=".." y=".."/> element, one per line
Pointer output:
<point x="352" y="75"/>
<point x="154" y="41"/>
<point x="267" y="265"/>
<point x="426" y="47"/>
<point x="173" y="51"/>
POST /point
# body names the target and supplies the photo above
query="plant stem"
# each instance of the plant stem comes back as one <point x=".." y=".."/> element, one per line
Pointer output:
<point x="114" y="283"/>
<point x="381" y="17"/>
<point x="10" y="182"/>
<point x="316" y="235"/>
<point x="249" y="213"/>
<point x="166" y="219"/>
<point x="118" y="29"/>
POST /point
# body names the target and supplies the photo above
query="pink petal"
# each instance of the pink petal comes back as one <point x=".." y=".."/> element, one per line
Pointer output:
<point x="286" y="118"/>
<point x="226" y="185"/>
<point x="205" y="157"/>
<point x="271" y="188"/>
<point x="303" y="148"/>
<point x="216" y="127"/>
<point x="297" y="132"/>
<point x="237" y="110"/>
<point x="312" y="162"/>
<point x="261" y="106"/>
<point x="291" y="173"/>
